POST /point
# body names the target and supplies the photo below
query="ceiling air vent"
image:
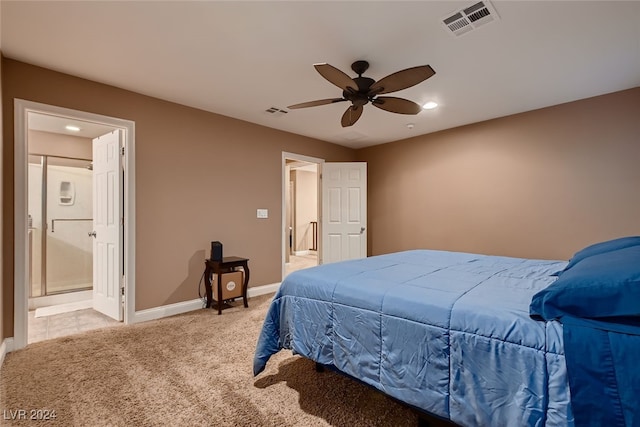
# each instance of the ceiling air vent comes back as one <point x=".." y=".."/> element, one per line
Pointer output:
<point x="275" y="111"/>
<point x="470" y="18"/>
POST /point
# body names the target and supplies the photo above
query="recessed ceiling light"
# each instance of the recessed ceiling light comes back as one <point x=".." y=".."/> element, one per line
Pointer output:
<point x="72" y="128"/>
<point x="430" y="105"/>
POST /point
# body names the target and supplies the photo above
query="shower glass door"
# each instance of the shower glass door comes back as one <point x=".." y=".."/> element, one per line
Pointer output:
<point x="62" y="249"/>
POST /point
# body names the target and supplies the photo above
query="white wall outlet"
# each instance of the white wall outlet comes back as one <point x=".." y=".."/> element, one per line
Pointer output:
<point x="263" y="213"/>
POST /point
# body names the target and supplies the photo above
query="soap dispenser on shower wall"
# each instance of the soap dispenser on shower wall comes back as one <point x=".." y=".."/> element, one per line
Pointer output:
<point x="67" y="193"/>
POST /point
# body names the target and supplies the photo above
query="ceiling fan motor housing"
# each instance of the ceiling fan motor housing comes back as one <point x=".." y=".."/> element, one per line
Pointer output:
<point x="361" y="97"/>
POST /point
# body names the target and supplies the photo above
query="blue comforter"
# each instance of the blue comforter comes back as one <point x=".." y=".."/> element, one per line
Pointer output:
<point x="449" y="333"/>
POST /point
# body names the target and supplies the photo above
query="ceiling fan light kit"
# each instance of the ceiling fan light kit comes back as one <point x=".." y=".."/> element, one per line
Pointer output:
<point x="363" y="90"/>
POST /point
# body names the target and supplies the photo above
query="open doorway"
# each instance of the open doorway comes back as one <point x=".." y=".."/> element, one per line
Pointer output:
<point x="301" y="198"/>
<point x="55" y="196"/>
<point x="60" y="225"/>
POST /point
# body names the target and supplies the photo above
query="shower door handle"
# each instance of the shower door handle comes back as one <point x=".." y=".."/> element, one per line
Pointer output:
<point x="92" y="234"/>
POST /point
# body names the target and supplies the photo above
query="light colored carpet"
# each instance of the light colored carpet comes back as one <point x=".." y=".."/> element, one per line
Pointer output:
<point x="188" y="370"/>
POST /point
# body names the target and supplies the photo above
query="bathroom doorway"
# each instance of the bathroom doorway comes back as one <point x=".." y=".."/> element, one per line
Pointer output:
<point x="60" y="226"/>
<point x="55" y="183"/>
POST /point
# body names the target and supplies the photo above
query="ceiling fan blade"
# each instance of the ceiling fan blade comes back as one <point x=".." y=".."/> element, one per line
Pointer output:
<point x="401" y="80"/>
<point x="396" y="105"/>
<point x="337" y="77"/>
<point x="315" y="103"/>
<point x="352" y="115"/>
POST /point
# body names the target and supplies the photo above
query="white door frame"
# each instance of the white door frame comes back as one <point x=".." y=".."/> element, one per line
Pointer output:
<point x="285" y="189"/>
<point x="21" y="256"/>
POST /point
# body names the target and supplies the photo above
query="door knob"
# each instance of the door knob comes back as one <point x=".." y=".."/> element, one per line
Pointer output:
<point x="92" y="234"/>
<point x="362" y="230"/>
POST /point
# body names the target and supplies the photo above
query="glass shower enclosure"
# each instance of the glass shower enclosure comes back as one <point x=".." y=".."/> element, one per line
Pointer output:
<point x="60" y="222"/>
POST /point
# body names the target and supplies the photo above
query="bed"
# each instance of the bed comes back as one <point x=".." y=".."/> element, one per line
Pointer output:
<point x="470" y="338"/>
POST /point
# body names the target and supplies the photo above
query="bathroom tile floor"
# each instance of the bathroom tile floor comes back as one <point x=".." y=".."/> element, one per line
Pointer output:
<point x="59" y="325"/>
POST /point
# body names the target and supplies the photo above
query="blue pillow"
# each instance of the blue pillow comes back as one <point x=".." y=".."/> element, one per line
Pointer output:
<point x="599" y="286"/>
<point x="600" y="248"/>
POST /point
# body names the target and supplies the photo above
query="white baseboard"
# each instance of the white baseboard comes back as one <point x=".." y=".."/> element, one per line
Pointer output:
<point x="196" y="304"/>
<point x="167" y="310"/>
<point x="263" y="290"/>
<point x="5" y="347"/>
<point x="301" y="253"/>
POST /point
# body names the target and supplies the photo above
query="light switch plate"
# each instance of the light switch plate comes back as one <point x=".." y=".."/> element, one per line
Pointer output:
<point x="263" y="213"/>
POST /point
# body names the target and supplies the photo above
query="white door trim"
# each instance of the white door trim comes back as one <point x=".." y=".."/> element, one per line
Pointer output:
<point x="21" y="265"/>
<point x="285" y="189"/>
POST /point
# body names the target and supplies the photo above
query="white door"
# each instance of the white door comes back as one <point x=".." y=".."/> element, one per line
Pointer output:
<point x="344" y="211"/>
<point x="107" y="225"/>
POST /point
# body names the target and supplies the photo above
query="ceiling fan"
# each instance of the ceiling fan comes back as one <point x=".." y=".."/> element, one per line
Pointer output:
<point x="362" y="90"/>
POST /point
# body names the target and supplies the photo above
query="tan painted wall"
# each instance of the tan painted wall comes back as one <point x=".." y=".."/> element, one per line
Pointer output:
<point x="541" y="184"/>
<point x="199" y="177"/>
<point x="55" y="144"/>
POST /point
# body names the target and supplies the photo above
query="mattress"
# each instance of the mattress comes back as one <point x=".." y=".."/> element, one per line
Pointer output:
<point x="446" y="332"/>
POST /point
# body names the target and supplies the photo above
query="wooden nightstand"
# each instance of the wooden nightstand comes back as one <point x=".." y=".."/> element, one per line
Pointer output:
<point x="227" y="265"/>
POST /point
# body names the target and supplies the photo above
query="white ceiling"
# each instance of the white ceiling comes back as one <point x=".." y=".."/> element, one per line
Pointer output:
<point x="240" y="58"/>
<point x="57" y="124"/>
